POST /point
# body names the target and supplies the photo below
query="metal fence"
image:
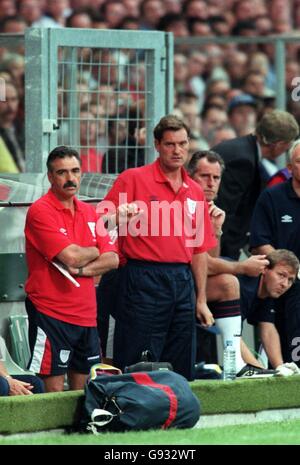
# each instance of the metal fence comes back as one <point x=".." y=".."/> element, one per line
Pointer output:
<point x="101" y="92"/>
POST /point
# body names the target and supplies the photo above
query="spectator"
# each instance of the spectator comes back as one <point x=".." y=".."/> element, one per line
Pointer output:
<point x="159" y="266"/>
<point x="242" y="114"/>
<point x="91" y="157"/>
<point x="151" y="11"/>
<point x="173" y="6"/>
<point x="13" y="24"/>
<point x="124" y="151"/>
<point x="175" y="23"/>
<point x="236" y="66"/>
<point x="114" y="12"/>
<point x="61" y="231"/>
<point x="10" y="129"/>
<point x="32" y="12"/>
<point x="58" y="10"/>
<point x="195" y="9"/>
<point x="132" y="9"/>
<point x="248" y="160"/>
<point x="19" y="385"/>
<point x="212" y="117"/>
<point x="7" y="8"/>
<point x="221" y="134"/>
<point x="199" y="27"/>
<point x="80" y="18"/>
<point x="223" y="290"/>
<point x="275" y="225"/>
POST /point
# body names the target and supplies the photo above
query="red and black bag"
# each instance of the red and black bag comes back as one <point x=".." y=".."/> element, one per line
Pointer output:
<point x="139" y="401"/>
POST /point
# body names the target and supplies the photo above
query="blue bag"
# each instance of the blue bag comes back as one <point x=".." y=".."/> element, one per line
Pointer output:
<point x="139" y="401"/>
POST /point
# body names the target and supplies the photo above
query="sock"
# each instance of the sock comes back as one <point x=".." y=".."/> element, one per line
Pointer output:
<point x="228" y="320"/>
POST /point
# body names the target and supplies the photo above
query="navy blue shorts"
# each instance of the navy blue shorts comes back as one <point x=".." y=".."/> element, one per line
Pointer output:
<point x="57" y="346"/>
<point x="156" y="312"/>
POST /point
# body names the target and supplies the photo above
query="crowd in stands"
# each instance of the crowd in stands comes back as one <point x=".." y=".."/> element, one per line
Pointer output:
<point x="220" y="90"/>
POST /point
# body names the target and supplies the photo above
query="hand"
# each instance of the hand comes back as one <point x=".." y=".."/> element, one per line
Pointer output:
<point x="287" y="369"/>
<point x="19" y="388"/>
<point x="253" y="266"/>
<point x="217" y="217"/>
<point x="204" y="314"/>
<point x="126" y="211"/>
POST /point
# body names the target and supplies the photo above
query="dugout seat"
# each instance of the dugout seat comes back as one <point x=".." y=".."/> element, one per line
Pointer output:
<point x="18" y="330"/>
<point x="12" y="367"/>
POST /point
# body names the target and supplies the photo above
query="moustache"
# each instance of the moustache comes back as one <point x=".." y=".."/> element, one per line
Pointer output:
<point x="69" y="184"/>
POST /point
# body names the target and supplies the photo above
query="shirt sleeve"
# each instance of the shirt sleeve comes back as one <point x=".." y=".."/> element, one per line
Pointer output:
<point x="42" y="231"/>
<point x="106" y="242"/>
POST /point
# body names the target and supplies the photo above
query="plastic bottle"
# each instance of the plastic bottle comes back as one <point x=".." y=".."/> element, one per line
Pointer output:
<point x="229" y="362"/>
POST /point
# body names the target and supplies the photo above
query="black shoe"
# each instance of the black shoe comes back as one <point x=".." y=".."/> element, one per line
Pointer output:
<point x="250" y="371"/>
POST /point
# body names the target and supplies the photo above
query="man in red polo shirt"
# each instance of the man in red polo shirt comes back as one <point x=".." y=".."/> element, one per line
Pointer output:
<point x="164" y="233"/>
<point x="61" y="232"/>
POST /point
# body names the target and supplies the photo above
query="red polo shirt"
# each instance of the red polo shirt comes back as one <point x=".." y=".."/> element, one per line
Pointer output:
<point x="50" y="227"/>
<point x="161" y="234"/>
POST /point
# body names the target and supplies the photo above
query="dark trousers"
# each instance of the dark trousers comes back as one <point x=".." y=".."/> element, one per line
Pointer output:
<point x="107" y="293"/>
<point x="37" y="383"/>
<point x="156" y="312"/>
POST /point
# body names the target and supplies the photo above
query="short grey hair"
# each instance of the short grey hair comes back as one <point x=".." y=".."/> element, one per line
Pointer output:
<point x="210" y="155"/>
<point x="292" y="149"/>
<point x="276" y="126"/>
<point x="285" y="257"/>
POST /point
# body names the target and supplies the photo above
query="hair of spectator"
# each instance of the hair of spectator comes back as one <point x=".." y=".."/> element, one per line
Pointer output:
<point x="276" y="126"/>
<point x="210" y="155"/>
<point x="8" y="19"/>
<point x="285" y="257"/>
<point x="168" y="20"/>
<point x="169" y="123"/>
<point x="79" y="11"/>
<point x="61" y="152"/>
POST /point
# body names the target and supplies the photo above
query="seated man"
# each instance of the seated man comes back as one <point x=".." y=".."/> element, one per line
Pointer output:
<point x="19" y="385"/>
<point x="257" y="303"/>
<point x="276" y="225"/>
<point x="223" y="288"/>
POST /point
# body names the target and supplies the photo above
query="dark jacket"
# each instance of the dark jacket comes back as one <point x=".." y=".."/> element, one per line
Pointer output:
<point x="240" y="188"/>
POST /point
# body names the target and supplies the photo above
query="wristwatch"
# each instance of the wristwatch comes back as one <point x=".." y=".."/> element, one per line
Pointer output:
<point x="80" y="271"/>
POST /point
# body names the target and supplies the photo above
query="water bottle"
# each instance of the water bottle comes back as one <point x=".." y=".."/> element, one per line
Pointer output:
<point x="229" y="362"/>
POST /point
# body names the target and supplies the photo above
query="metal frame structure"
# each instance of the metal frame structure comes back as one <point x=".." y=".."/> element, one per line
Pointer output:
<point x="43" y="49"/>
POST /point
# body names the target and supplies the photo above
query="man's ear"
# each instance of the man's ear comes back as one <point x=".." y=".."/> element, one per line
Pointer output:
<point x="264" y="270"/>
<point x="156" y="144"/>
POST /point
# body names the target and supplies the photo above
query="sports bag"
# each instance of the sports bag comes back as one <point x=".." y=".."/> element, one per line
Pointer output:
<point x="138" y="401"/>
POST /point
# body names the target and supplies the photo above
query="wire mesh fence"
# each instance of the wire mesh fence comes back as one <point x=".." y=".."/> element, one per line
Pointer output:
<point x="102" y="106"/>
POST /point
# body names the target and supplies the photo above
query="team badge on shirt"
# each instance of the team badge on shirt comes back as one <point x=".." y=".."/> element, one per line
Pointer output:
<point x="63" y="231"/>
<point x="191" y="205"/>
<point x="64" y="355"/>
<point x="286" y="219"/>
<point x="92" y="226"/>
